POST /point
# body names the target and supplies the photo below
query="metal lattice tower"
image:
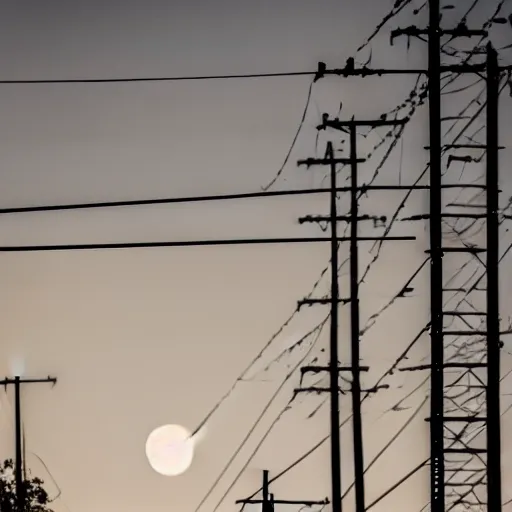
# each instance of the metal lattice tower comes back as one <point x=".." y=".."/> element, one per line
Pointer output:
<point x="465" y="319"/>
<point x="471" y="341"/>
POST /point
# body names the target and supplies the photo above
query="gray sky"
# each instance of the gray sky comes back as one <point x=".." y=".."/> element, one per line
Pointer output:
<point x="145" y="337"/>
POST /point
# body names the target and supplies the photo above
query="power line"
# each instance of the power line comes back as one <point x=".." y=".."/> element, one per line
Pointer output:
<point x="397" y="484"/>
<point x="195" y="77"/>
<point x="155" y="78"/>
<point x="294" y="140"/>
<point x="396" y="436"/>
<point x="204" y="199"/>
<point x="219" y="197"/>
<point x="185" y="243"/>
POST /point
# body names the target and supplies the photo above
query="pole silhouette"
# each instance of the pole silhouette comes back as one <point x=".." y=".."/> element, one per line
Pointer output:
<point x="493" y="289"/>
<point x="19" y="463"/>
<point x="355" y="367"/>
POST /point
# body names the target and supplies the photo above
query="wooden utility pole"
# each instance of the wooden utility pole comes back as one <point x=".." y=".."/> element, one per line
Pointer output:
<point x="333" y="344"/>
<point x="494" y="344"/>
<point x="436" y="263"/>
<point x="18" y="439"/>
<point x="268" y="502"/>
<point x="355" y="367"/>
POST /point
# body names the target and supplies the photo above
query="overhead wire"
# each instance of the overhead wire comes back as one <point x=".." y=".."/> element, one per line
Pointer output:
<point x="398" y="6"/>
<point x="180" y="78"/>
<point x="394" y="438"/>
<point x="162" y="201"/>
<point x="411" y="473"/>
<point x="294" y="140"/>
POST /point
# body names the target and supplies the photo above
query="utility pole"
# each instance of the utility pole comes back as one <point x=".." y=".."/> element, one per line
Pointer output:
<point x="436" y="263"/>
<point x="333" y="345"/>
<point x="493" y="309"/>
<point x="333" y="367"/>
<point x="19" y="462"/>
<point x="354" y="327"/>
<point x="268" y="502"/>
<point x="355" y="367"/>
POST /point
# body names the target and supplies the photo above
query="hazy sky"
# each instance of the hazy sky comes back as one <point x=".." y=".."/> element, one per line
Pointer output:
<point x="139" y="338"/>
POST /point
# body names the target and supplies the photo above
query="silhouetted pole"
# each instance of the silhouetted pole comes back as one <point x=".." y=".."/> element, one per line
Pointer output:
<point x="333" y="344"/>
<point x="354" y="328"/>
<point x="267" y="502"/>
<point x="436" y="263"/>
<point x="355" y="366"/>
<point x="19" y="462"/>
<point x="267" y="505"/>
<point x="334" y="368"/>
<point x="493" y="309"/>
<point x="18" y="468"/>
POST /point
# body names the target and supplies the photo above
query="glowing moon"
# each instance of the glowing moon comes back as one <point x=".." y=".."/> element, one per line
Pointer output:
<point x="170" y="450"/>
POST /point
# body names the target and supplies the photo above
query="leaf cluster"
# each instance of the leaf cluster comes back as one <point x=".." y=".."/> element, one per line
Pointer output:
<point x="36" y="498"/>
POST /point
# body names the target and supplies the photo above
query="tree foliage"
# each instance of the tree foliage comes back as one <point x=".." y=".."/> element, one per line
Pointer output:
<point x="36" y="498"/>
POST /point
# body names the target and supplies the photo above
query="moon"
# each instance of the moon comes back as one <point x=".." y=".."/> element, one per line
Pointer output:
<point x="170" y="450"/>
